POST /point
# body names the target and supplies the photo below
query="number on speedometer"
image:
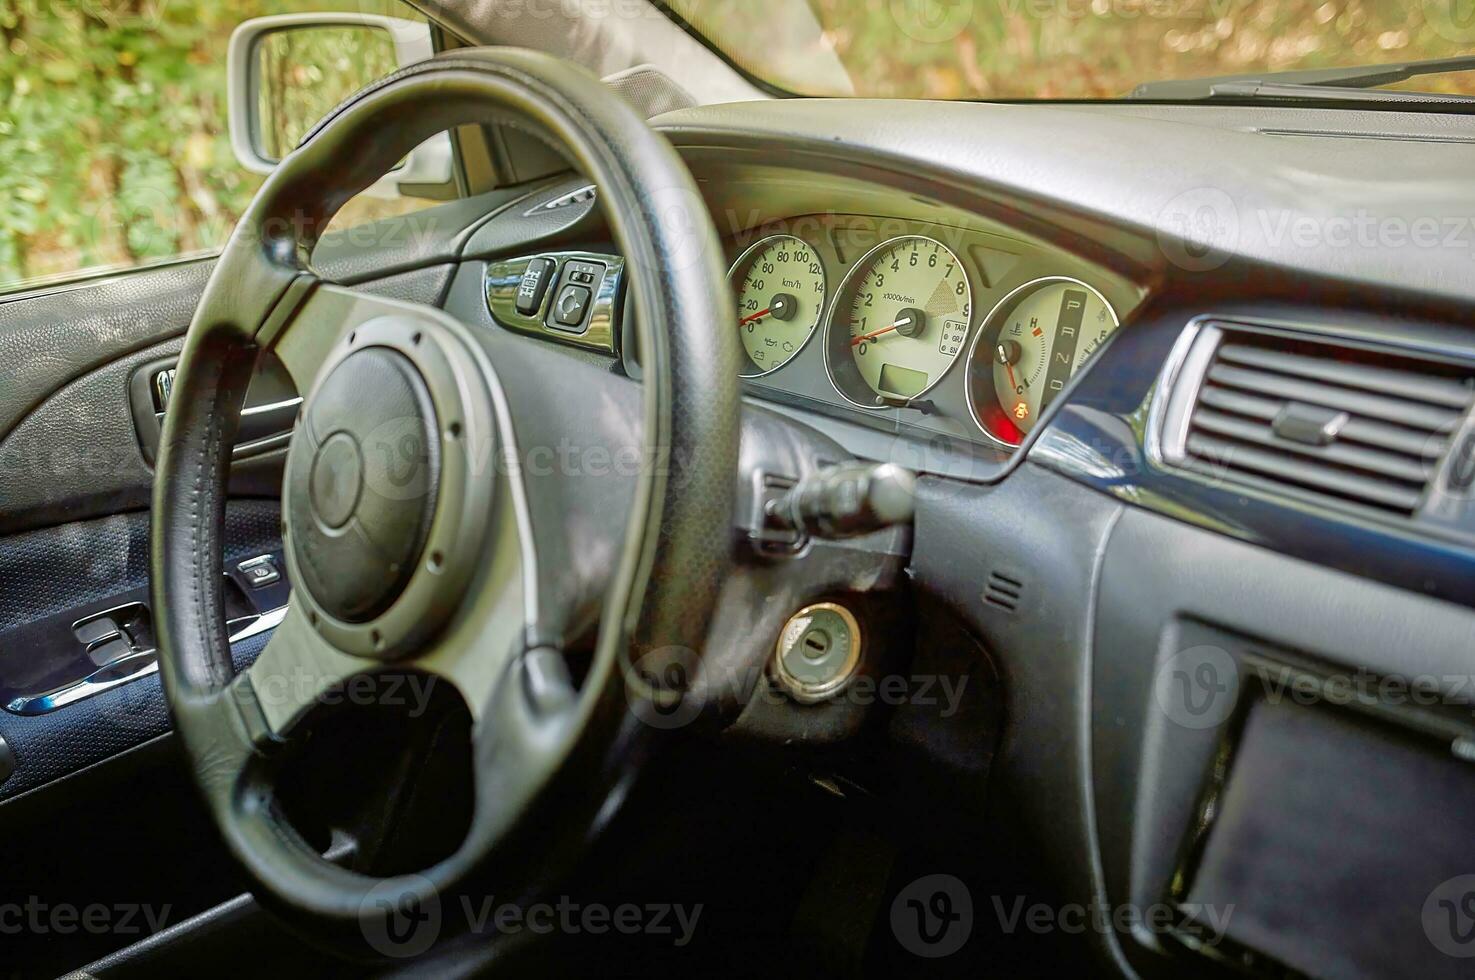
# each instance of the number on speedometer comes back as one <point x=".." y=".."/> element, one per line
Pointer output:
<point x="900" y="322"/>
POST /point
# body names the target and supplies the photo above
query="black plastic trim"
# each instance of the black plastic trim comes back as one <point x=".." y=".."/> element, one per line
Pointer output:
<point x="1100" y="438"/>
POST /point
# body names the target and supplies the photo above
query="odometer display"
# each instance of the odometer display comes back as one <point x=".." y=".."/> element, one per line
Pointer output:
<point x="780" y="288"/>
<point x="900" y="321"/>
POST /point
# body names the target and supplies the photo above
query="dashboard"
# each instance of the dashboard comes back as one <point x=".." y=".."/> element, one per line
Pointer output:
<point x="1143" y="459"/>
<point x="1141" y="454"/>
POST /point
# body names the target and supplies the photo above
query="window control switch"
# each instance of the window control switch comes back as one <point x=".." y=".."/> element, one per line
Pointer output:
<point x="110" y="652"/>
<point x="260" y="572"/>
<point x="96" y="630"/>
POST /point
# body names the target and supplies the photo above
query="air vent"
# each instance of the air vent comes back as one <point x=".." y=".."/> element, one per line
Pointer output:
<point x="581" y="196"/>
<point x="1312" y="415"/>
<point x="1003" y="591"/>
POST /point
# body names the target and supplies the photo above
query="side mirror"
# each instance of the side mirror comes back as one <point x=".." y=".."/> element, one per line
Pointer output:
<point x="289" y="70"/>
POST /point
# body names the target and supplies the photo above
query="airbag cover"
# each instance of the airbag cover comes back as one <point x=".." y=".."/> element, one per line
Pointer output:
<point x="362" y="477"/>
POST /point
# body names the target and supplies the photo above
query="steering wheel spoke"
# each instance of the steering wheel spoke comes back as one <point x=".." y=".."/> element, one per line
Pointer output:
<point x="310" y="324"/>
<point x="296" y="671"/>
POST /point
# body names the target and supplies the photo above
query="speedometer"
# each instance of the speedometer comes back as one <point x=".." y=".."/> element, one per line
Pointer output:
<point x="1028" y="348"/>
<point x="780" y="287"/>
<point x="899" y="322"/>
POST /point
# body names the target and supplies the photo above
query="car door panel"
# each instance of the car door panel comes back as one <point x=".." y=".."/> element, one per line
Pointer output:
<point x="76" y="479"/>
<point x="78" y="567"/>
<point x="75" y="453"/>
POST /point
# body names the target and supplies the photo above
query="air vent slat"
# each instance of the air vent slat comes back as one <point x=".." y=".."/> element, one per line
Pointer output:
<point x="1313" y="416"/>
<point x="1003" y="591"/>
<point x="1380" y="434"/>
<point x="1418" y="416"/>
<point x="1373" y="461"/>
<point x="1225" y="454"/>
<point x="1445" y="392"/>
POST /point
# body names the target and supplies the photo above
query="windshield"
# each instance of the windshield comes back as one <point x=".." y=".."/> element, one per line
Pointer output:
<point x="1067" y="49"/>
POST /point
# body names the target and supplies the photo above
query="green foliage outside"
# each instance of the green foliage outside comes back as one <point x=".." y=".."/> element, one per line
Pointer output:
<point x="1073" y="49"/>
<point x="114" y="148"/>
<point x="306" y="73"/>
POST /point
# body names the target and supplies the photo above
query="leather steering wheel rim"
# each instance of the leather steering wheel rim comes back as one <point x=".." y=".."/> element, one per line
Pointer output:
<point x="677" y="537"/>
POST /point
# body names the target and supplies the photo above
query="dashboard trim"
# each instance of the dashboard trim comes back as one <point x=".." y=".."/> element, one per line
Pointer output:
<point x="1100" y="438"/>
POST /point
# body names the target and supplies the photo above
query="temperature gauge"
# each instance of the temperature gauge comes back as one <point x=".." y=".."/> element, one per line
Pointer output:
<point x="1030" y="346"/>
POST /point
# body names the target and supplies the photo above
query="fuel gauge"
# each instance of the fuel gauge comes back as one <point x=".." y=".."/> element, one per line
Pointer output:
<point x="1030" y="346"/>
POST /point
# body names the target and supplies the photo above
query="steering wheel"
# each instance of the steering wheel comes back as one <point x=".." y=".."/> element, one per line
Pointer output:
<point x="449" y="568"/>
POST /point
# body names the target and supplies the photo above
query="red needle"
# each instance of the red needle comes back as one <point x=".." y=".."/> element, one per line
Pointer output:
<point x="1012" y="383"/>
<point x="857" y="341"/>
<point x="749" y="319"/>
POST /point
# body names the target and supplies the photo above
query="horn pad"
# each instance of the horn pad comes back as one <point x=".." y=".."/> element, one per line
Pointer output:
<point x="362" y="481"/>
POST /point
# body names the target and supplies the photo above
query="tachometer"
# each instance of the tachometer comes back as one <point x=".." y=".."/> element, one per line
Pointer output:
<point x="1032" y="343"/>
<point x="780" y="287"/>
<point x="899" y="322"/>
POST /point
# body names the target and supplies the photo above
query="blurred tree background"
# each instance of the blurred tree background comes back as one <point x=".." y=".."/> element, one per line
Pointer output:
<point x="306" y="73"/>
<point x="114" y="147"/>
<point x="1072" y="49"/>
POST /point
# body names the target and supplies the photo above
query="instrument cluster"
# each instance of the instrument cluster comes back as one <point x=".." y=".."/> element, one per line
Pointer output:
<point x="899" y="332"/>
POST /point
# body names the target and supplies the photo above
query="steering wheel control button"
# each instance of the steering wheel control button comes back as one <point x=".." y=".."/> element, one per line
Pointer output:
<point x="571" y="306"/>
<point x="91" y="631"/>
<point x="584" y="273"/>
<point x="362" y="483"/>
<point x="535" y="283"/>
<point x="818" y="652"/>
<point x="260" y="572"/>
